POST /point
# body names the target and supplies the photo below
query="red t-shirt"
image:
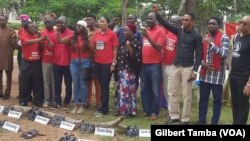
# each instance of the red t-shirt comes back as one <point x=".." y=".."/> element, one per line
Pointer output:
<point x="47" y="54"/>
<point x="169" y="50"/>
<point x="30" y="52"/>
<point x="62" y="51"/>
<point x="104" y="44"/>
<point x="149" y="54"/>
<point x="20" y="32"/>
<point x="77" y="51"/>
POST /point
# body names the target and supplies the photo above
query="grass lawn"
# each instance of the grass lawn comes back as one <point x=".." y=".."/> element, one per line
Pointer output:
<point x="145" y="122"/>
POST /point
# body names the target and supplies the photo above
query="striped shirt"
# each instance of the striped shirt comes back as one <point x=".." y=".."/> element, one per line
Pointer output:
<point x="217" y="77"/>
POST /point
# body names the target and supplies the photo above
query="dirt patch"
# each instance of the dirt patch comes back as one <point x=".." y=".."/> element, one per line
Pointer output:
<point x="52" y="133"/>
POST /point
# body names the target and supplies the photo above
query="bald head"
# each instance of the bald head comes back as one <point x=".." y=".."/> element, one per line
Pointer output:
<point x="151" y="20"/>
<point x="245" y="25"/>
<point x="176" y="20"/>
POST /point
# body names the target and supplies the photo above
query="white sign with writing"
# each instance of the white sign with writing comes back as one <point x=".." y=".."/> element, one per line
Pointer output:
<point x="42" y="120"/>
<point x="11" y="126"/>
<point x="14" y="114"/>
<point x="104" y="131"/>
<point x="1" y="109"/>
<point x="67" y="125"/>
<point x="84" y="140"/>
<point x="144" y="133"/>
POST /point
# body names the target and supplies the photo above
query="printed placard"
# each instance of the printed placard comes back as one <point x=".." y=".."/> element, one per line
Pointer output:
<point x="84" y="140"/>
<point x="42" y="120"/>
<point x="14" y="114"/>
<point x="1" y="109"/>
<point x="104" y="131"/>
<point x="144" y="133"/>
<point x="11" y="126"/>
<point x="67" y="125"/>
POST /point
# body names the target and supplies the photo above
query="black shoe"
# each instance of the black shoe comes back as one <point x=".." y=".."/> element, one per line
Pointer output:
<point x="1" y="95"/>
<point x="5" y="97"/>
<point x="23" y="104"/>
<point x="173" y="122"/>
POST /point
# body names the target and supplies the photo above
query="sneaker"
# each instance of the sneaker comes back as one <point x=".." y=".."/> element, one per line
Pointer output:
<point x="184" y="123"/>
<point x="98" y="114"/>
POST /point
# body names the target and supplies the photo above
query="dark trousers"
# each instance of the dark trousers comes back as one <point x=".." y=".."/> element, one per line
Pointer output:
<point x="205" y="89"/>
<point x="240" y="102"/>
<point x="59" y="73"/>
<point x="103" y="74"/>
<point x="19" y="59"/>
<point x="31" y="80"/>
<point x="8" y="82"/>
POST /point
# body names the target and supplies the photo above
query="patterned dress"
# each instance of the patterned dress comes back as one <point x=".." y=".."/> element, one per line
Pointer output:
<point x="128" y="68"/>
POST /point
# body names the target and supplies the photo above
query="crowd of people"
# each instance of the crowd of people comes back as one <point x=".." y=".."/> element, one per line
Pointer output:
<point x="168" y="54"/>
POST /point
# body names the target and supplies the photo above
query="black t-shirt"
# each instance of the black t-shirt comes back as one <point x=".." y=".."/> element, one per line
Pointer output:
<point x="241" y="57"/>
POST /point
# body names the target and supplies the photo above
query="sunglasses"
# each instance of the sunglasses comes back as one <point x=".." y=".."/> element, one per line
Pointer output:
<point x="244" y="23"/>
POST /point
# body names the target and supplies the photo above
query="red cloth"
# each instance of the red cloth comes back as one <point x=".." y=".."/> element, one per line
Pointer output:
<point x="77" y="51"/>
<point x="216" y="61"/>
<point x="169" y="50"/>
<point x="149" y="54"/>
<point x="30" y="52"/>
<point x="48" y="54"/>
<point x="104" y="44"/>
<point x="62" y="51"/>
<point x="132" y="27"/>
<point x="230" y="29"/>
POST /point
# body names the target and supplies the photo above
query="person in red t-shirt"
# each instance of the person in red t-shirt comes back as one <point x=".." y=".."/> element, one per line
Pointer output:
<point x="153" y="42"/>
<point x="105" y="44"/>
<point x="31" y="79"/>
<point x="61" y="63"/>
<point x="47" y="60"/>
<point x="169" y="52"/>
<point x="80" y="61"/>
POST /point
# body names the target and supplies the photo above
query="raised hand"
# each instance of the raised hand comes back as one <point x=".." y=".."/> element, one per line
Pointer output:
<point x="155" y="8"/>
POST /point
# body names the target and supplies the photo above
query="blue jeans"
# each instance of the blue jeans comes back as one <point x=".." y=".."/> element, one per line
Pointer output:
<point x="59" y="73"/>
<point x="103" y="74"/>
<point x="80" y="86"/>
<point x="205" y="89"/>
<point x="150" y="88"/>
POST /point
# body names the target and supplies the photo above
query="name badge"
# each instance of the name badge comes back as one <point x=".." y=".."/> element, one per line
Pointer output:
<point x="104" y="131"/>
<point x="14" y="114"/>
<point x="100" y="45"/>
<point x="1" y="109"/>
<point x="144" y="133"/>
<point x="42" y="120"/>
<point x="146" y="42"/>
<point x="67" y="125"/>
<point x="11" y="126"/>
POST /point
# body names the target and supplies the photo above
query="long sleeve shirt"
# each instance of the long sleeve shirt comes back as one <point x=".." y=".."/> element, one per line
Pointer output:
<point x="217" y="77"/>
<point x="189" y="46"/>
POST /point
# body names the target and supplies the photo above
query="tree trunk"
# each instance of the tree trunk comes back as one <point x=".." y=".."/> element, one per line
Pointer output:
<point x="190" y="6"/>
<point x="124" y="4"/>
<point x="181" y="7"/>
